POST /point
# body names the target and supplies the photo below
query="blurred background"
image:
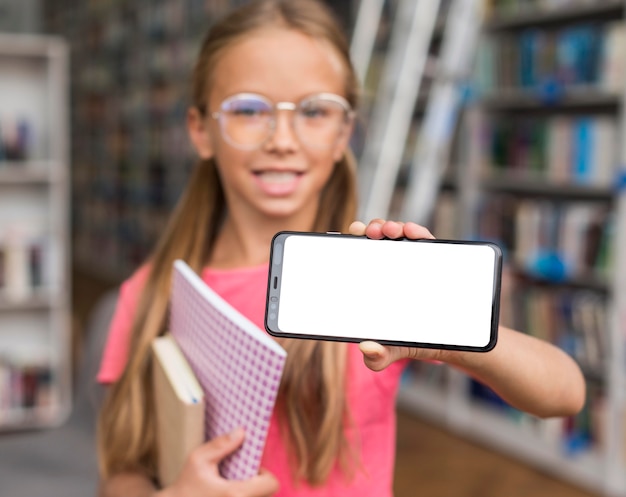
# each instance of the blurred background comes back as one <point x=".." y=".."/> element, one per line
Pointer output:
<point x="499" y="120"/>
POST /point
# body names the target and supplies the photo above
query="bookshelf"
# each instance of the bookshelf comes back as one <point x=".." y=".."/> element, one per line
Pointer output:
<point x="130" y="153"/>
<point x="35" y="335"/>
<point x="543" y="176"/>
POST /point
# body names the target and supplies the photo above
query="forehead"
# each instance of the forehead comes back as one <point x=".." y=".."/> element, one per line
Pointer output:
<point x="279" y="63"/>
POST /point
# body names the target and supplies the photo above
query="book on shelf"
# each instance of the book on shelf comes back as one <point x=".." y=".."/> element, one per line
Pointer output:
<point x="28" y="261"/>
<point x="25" y="383"/>
<point x="237" y="365"/>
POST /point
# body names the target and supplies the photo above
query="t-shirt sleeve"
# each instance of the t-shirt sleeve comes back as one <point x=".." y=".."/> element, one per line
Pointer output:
<point x="115" y="354"/>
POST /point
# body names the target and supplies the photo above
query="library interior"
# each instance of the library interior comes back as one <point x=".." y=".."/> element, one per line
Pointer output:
<point x="484" y="120"/>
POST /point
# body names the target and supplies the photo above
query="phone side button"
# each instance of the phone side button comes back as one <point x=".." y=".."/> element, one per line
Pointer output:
<point x="333" y="233"/>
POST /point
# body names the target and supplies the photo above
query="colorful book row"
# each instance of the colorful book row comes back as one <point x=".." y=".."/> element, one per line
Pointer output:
<point x="26" y="386"/>
<point x="27" y="265"/>
<point x="561" y="149"/>
<point x="549" y="60"/>
<point x="552" y="240"/>
<point x="574" y="320"/>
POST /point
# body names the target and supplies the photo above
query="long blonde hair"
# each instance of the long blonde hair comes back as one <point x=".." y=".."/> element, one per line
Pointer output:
<point x="311" y="400"/>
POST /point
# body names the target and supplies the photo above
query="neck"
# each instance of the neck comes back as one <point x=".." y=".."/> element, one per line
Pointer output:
<point x="245" y="240"/>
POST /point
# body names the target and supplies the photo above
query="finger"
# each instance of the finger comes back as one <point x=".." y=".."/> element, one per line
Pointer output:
<point x="393" y="229"/>
<point x="415" y="231"/>
<point x="376" y="356"/>
<point x="262" y="485"/>
<point x="357" y="228"/>
<point x="218" y="448"/>
<point x="374" y="229"/>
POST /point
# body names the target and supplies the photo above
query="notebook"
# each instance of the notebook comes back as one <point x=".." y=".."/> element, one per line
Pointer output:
<point x="238" y="365"/>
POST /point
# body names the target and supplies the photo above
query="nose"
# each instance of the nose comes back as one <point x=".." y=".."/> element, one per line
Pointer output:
<point x="283" y="136"/>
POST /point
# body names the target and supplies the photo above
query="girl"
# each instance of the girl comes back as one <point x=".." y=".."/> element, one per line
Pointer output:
<point x="274" y="95"/>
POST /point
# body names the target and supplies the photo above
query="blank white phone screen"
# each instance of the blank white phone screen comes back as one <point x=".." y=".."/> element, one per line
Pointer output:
<point x="433" y="293"/>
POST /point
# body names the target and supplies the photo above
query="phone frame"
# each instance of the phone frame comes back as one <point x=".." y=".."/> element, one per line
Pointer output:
<point x="273" y="293"/>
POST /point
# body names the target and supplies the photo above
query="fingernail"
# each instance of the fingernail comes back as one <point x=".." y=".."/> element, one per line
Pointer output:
<point x="370" y="354"/>
<point x="236" y="433"/>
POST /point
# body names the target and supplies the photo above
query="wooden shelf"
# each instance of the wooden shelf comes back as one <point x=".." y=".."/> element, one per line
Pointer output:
<point x="590" y="282"/>
<point x="541" y="187"/>
<point x="532" y="17"/>
<point x="567" y="99"/>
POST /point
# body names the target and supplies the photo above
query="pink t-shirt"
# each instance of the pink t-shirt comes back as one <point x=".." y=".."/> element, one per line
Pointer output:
<point x="371" y="395"/>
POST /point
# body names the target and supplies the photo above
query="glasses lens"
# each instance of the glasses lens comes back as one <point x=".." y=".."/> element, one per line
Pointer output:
<point x="246" y="120"/>
<point x="320" y="121"/>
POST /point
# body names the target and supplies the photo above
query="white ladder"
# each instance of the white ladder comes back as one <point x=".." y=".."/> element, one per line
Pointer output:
<point x="413" y="30"/>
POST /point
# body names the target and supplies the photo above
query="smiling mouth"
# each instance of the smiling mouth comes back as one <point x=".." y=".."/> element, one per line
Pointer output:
<point x="277" y="176"/>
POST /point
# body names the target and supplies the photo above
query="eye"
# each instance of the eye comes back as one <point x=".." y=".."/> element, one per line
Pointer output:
<point x="247" y="108"/>
<point x="312" y="110"/>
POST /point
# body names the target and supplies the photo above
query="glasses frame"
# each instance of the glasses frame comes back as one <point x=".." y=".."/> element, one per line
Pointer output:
<point x="283" y="105"/>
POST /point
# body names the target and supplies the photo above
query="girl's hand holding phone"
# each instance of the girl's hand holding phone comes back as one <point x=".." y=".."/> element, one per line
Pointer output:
<point x="380" y="228"/>
<point x="376" y="356"/>
<point x="200" y="476"/>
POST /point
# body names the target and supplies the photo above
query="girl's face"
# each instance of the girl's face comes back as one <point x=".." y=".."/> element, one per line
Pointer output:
<point x="282" y="177"/>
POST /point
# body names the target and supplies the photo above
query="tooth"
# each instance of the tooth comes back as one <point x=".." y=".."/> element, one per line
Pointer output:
<point x="278" y="177"/>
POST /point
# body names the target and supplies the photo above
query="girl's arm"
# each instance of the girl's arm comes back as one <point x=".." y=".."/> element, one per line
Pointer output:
<point x="530" y="374"/>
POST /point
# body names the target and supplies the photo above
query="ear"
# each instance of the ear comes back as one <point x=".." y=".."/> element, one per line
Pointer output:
<point x="198" y="130"/>
<point x="344" y="140"/>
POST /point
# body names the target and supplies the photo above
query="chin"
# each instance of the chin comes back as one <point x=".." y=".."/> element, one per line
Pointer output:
<point x="285" y="211"/>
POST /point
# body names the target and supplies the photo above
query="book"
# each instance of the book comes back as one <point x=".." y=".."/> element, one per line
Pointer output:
<point x="238" y="365"/>
<point x="179" y="406"/>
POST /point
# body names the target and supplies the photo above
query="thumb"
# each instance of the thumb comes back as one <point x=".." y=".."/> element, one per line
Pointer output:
<point x="377" y="357"/>
<point x="218" y="448"/>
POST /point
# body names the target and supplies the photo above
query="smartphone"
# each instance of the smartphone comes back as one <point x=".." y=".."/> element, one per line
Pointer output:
<point x="420" y="293"/>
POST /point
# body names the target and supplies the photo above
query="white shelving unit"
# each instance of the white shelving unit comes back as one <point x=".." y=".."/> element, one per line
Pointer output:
<point x="35" y="331"/>
<point x="446" y="397"/>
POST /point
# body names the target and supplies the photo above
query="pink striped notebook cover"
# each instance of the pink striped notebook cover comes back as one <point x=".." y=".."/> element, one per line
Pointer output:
<point x="238" y="365"/>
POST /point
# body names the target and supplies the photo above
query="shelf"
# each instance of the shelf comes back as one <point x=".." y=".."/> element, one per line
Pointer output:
<point x="25" y="45"/>
<point x="541" y="187"/>
<point x="35" y="321"/>
<point x="566" y="99"/>
<point x="28" y="418"/>
<point x="487" y="427"/>
<point x="591" y="282"/>
<point x="24" y="173"/>
<point x="533" y="17"/>
<point x="35" y="302"/>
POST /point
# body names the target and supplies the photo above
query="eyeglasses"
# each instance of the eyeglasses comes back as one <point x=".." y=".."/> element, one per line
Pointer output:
<point x="248" y="120"/>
